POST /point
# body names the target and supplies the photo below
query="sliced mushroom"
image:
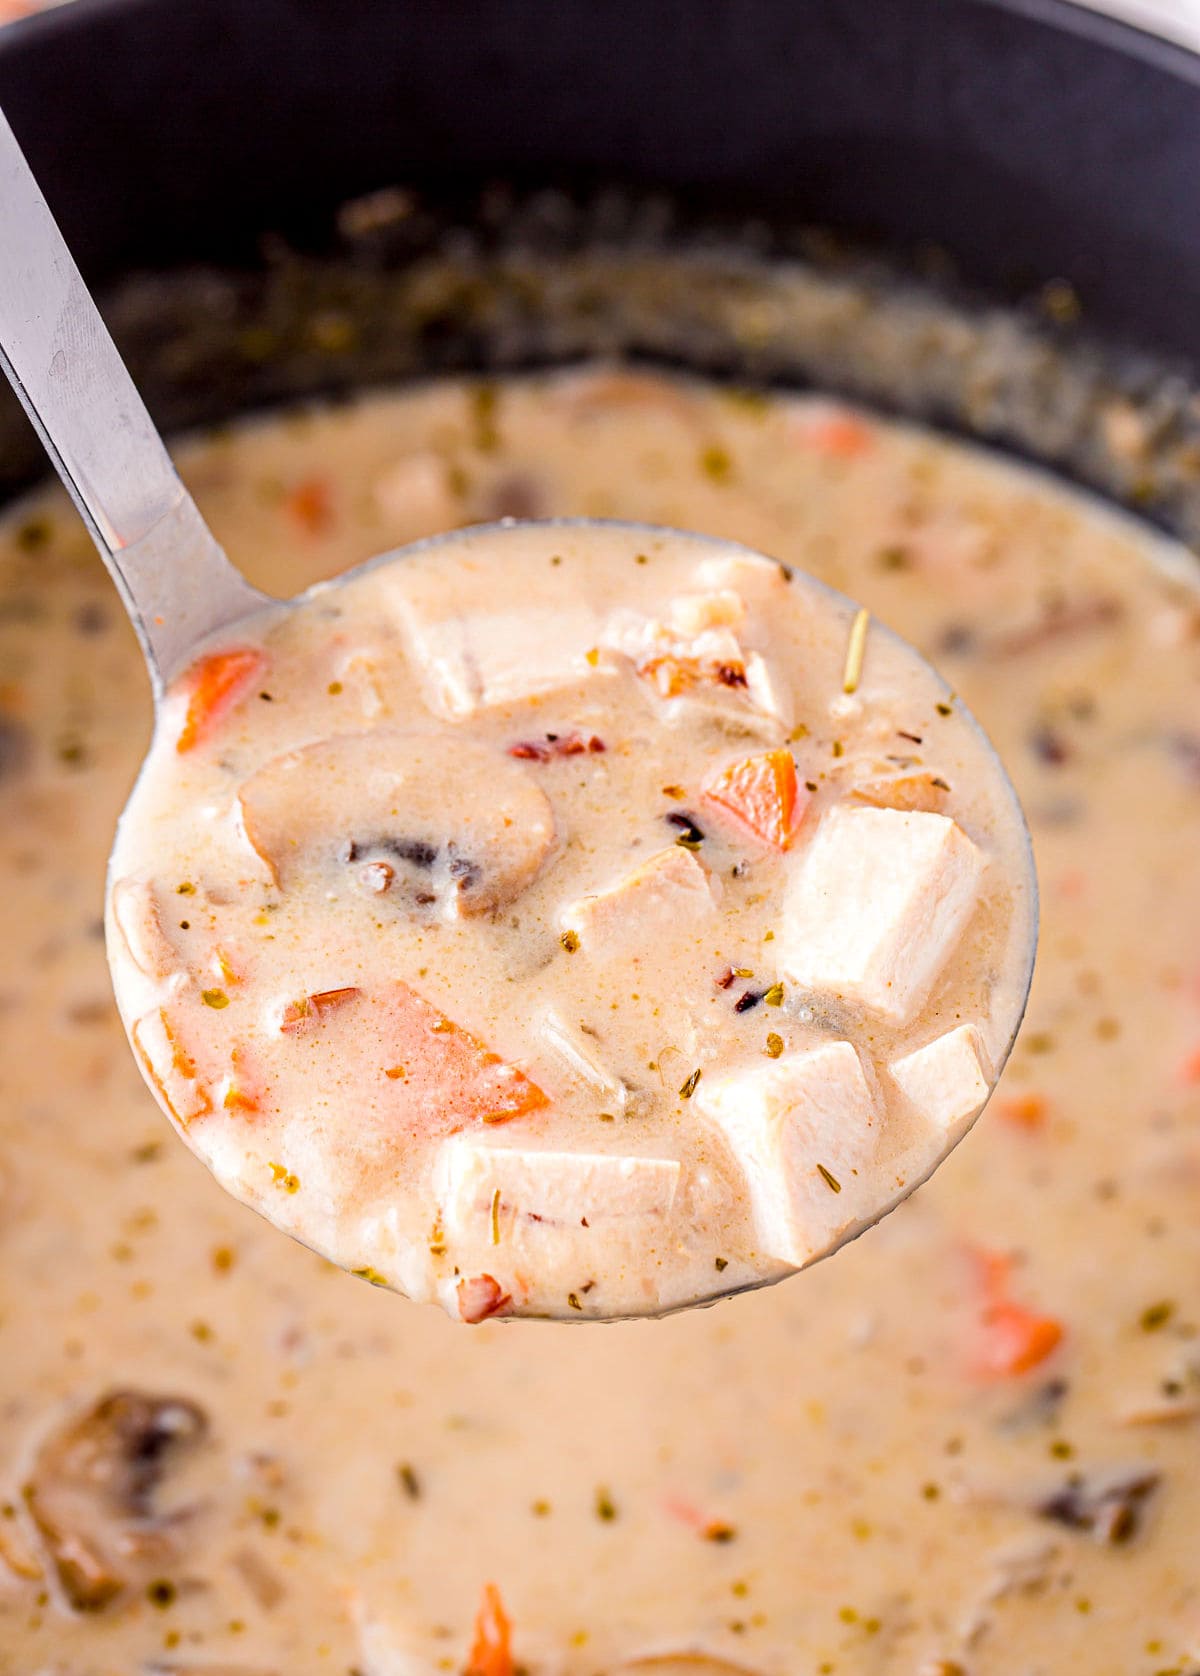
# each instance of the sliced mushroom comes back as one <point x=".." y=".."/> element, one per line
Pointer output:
<point x="429" y="817"/>
<point x="92" y="1493"/>
<point x="136" y="915"/>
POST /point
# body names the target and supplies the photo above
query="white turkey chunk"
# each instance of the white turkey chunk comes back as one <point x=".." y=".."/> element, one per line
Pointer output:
<point x="804" y="1129"/>
<point x="555" y="1215"/>
<point x="759" y="581"/>
<point x="477" y="646"/>
<point x="876" y="905"/>
<point x="668" y="894"/>
<point x="947" y="1079"/>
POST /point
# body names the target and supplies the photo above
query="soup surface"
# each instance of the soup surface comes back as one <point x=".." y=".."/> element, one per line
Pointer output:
<point x="538" y="924"/>
<point x="967" y="1443"/>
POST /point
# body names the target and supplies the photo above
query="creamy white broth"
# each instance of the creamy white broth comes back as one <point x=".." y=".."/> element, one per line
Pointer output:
<point x="590" y="1031"/>
<point x="815" y="1476"/>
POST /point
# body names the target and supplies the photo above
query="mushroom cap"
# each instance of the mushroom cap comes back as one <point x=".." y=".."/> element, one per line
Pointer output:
<point x="462" y="822"/>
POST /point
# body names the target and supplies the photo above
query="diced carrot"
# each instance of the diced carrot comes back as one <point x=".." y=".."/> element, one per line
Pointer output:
<point x="1015" y="1339"/>
<point x="1023" y="1111"/>
<point x="1012" y="1339"/>
<point x="311" y="1009"/>
<point x="311" y="505"/>
<point x="480" y="1296"/>
<point x="214" y="685"/>
<point x="1189" y="1070"/>
<point x="444" y="1077"/>
<point x="839" y="434"/>
<point x="450" y="1072"/>
<point x="491" y="1650"/>
<point x="762" y="794"/>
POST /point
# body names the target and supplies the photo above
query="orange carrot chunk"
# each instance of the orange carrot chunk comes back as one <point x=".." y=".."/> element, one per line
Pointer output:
<point x="762" y="794"/>
<point x="311" y="505"/>
<point x="1023" y="1111"/>
<point x="491" y="1650"/>
<point x="1012" y="1339"/>
<point x="838" y="434"/>
<point x="439" y="1078"/>
<point x="215" y="684"/>
<point x="451" y="1076"/>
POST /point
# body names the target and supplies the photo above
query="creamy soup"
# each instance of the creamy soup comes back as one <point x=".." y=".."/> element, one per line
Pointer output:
<point x="570" y="920"/>
<point x="966" y="1443"/>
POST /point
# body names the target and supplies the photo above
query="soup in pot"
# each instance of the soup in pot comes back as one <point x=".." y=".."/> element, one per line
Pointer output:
<point x="964" y="1444"/>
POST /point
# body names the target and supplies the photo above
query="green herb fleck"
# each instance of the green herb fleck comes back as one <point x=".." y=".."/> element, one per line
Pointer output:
<point x="945" y="709"/>
<point x="573" y="1300"/>
<point x="774" y="996"/>
<point x="689" y="1087"/>
<point x="34" y="535"/>
<point x="606" y="1507"/>
<point x="570" y="941"/>
<point x="185" y="890"/>
<point x="721" y="1264"/>
<point x="1156" y="1315"/>
<point x="214" y="998"/>
<point x="830" y="1181"/>
<point x="161" y="1593"/>
<point x="716" y="464"/>
<point x="485" y="399"/>
<point x="368" y="1274"/>
<point x="409" y="1482"/>
<point x="774" y="1045"/>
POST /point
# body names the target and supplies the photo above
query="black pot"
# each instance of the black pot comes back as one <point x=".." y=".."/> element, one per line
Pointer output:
<point x="832" y="170"/>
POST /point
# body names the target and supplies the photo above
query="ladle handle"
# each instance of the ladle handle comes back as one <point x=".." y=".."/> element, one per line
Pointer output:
<point x="174" y="579"/>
